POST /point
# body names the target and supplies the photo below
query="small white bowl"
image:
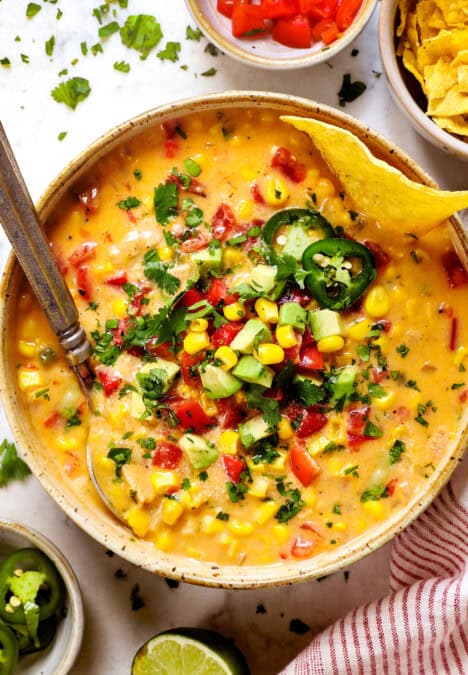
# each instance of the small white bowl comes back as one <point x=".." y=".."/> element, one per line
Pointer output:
<point x="60" y="656"/>
<point x="404" y="99"/>
<point x="263" y="52"/>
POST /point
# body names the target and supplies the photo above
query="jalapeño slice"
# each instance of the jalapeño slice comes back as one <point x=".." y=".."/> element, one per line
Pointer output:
<point x="304" y="227"/>
<point x="8" y="650"/>
<point x="340" y="270"/>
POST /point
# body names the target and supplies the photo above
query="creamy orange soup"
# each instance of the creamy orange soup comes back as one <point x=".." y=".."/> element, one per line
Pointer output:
<point x="238" y="417"/>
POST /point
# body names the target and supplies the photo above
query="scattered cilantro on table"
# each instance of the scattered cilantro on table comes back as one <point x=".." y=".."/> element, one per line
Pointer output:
<point x="72" y="91"/>
<point x="350" y="90"/>
<point x="141" y="32"/>
<point x="32" y="9"/>
<point x="170" y="52"/>
<point x="12" y="467"/>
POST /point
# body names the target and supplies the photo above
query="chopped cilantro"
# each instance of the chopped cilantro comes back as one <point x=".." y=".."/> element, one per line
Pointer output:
<point x="268" y="406"/>
<point x="411" y="384"/>
<point x="363" y="351"/>
<point x="203" y="476"/>
<point x="299" y="627"/>
<point x="457" y="385"/>
<point x="156" y="270"/>
<point x="129" y="203"/>
<point x="372" y="431"/>
<point x="186" y="484"/>
<point x="84" y="48"/>
<point x="337" y="509"/>
<point x="308" y="393"/>
<point x="193" y="34"/>
<point x="122" y="67"/>
<point x="170" y="52"/>
<point x="396" y="451"/>
<point x="350" y="90"/>
<point x="108" y="30"/>
<point x="43" y="393"/>
<point x="236" y="491"/>
<point x="375" y="493"/>
<point x="120" y="456"/>
<point x="138" y="174"/>
<point x="32" y="9"/>
<point x="49" y="45"/>
<point x="61" y="136"/>
<point x="24" y="58"/>
<point x="141" y="32"/>
<point x="395" y="374"/>
<point x="136" y="599"/>
<point x="72" y="91"/>
<point x="211" y="49"/>
<point x="5" y="62"/>
<point x="376" y="391"/>
<point x="293" y="503"/>
<point x="165" y="202"/>
<point x="209" y="73"/>
<point x="402" y="350"/>
<point x="12" y="467"/>
<point x="352" y="470"/>
<point x="148" y="443"/>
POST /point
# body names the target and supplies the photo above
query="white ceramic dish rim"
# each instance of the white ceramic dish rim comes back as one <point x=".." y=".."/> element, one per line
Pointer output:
<point x="142" y="553"/>
<point x="308" y="59"/>
<point x="74" y="602"/>
<point x="420" y="120"/>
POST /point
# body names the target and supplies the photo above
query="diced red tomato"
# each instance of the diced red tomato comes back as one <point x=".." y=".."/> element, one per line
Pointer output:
<point x="225" y="334"/>
<point x="256" y="194"/>
<point x="225" y="7"/>
<point x="247" y="20"/>
<point x="196" y="243"/>
<point x="191" y="415"/>
<point x="233" y="467"/>
<point x="292" y="354"/>
<point x="378" y="374"/>
<point x="274" y="9"/>
<point x="302" y="548"/>
<point x="307" y="420"/>
<point x="218" y="292"/>
<point x="191" y="297"/>
<point x="347" y="10"/>
<point x="303" y="465"/>
<point x="223" y="222"/>
<point x="120" y="332"/>
<point x="382" y="258"/>
<point x="310" y="359"/>
<point x="164" y="350"/>
<point x="293" y="31"/>
<point x="229" y="413"/>
<point x="59" y="258"/>
<point x="357" y="418"/>
<point x="283" y="159"/>
<point x="54" y="420"/>
<point x="117" y="279"/>
<point x="188" y="361"/>
<point x="456" y="273"/>
<point x="463" y="398"/>
<point x="84" y="252"/>
<point x="402" y="413"/>
<point x="391" y="486"/>
<point x="135" y="306"/>
<point x="109" y="379"/>
<point x="325" y="30"/>
<point x="171" y="149"/>
<point x="89" y="199"/>
<point x="83" y="282"/>
<point x="294" y="294"/>
<point x="167" y="455"/>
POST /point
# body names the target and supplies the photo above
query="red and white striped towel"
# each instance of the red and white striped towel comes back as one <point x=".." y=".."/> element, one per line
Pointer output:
<point x="422" y="627"/>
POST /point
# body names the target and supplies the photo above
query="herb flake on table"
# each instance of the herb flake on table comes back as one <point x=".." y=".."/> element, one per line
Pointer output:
<point x="49" y="45"/>
<point x="209" y="73"/>
<point x="108" y="30"/>
<point x="12" y="467"/>
<point x="141" y="32"/>
<point x="193" y="34"/>
<point x="122" y="66"/>
<point x="5" y="62"/>
<point x="72" y="91"/>
<point x="61" y="136"/>
<point x="136" y="598"/>
<point x="350" y="90"/>
<point x="170" y="52"/>
<point x="32" y="9"/>
<point x="298" y="626"/>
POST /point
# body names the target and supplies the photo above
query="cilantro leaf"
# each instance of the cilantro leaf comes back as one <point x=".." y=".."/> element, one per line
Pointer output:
<point x="170" y="52"/>
<point x="209" y="73"/>
<point x="193" y="34"/>
<point x="109" y="29"/>
<point x="120" y="456"/>
<point x="12" y="467"/>
<point x="141" y="32"/>
<point x="375" y="493"/>
<point x="156" y="271"/>
<point x="292" y="505"/>
<point x="268" y="406"/>
<point x="129" y="203"/>
<point x="396" y="451"/>
<point x="32" y="9"/>
<point x="72" y="91"/>
<point x="371" y="431"/>
<point x="308" y="393"/>
<point x="165" y="202"/>
<point x="49" y="46"/>
<point x="122" y="66"/>
<point x="350" y="90"/>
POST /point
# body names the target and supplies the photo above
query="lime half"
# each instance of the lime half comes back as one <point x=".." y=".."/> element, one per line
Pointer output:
<point x="189" y="651"/>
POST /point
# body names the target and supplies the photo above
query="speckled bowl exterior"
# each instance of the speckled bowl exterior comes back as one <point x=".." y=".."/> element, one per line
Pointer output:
<point x="405" y="101"/>
<point x="61" y="655"/>
<point x="263" y="52"/>
<point x="90" y="514"/>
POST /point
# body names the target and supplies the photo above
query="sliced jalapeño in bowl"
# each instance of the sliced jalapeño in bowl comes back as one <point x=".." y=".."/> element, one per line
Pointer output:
<point x="291" y="231"/>
<point x="8" y="650"/>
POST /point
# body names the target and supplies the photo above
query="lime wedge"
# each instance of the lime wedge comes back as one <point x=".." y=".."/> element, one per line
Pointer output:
<point x="189" y="651"/>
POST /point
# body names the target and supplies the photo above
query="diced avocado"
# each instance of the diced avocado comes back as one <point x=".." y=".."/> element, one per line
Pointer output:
<point x="342" y="382"/>
<point x="292" y="314"/>
<point x="297" y="242"/>
<point x="208" y="259"/>
<point x="325" y="322"/>
<point x="137" y="407"/>
<point x="199" y="453"/>
<point x="249" y="369"/>
<point x="167" y="371"/>
<point x="277" y="290"/>
<point x="263" y="277"/>
<point x="254" y="430"/>
<point x="217" y="383"/>
<point x="245" y="339"/>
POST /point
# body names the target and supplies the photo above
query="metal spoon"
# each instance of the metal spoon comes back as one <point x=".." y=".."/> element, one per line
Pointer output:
<point x="20" y="222"/>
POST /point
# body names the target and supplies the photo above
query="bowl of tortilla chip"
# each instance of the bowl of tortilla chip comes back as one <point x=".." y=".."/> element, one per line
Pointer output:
<point x="424" y="49"/>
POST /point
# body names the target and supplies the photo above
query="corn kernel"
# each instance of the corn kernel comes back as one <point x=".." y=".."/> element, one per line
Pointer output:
<point x="317" y="445"/>
<point x="244" y="209"/>
<point x="334" y="467"/>
<point x="359" y="329"/>
<point x="377" y="302"/>
<point x="198" y="325"/>
<point x="340" y="525"/>
<point x="312" y="177"/>
<point x="281" y="533"/>
<point x="209" y="406"/>
<point x="228" y="357"/>
<point x="385" y="402"/>
<point x="267" y="310"/>
<point x="102" y="270"/>
<point x="196" y="342"/>
<point x="397" y="432"/>
<point x="330" y="344"/>
<point x="259" y="487"/>
<point x="68" y="442"/>
<point x="382" y="342"/>
<point x="27" y="348"/>
<point x="201" y="159"/>
<point x="164" y="540"/>
<point x="171" y="511"/>
<point x="460" y="355"/>
<point x="234" y="312"/>
<point x="194" y="553"/>
<point x="119" y="308"/>
<point x="324" y="189"/>
<point x="117" y="415"/>
<point x="186" y="499"/>
<point x="269" y="353"/>
<point x="29" y="379"/>
<point x="240" y="528"/>
<point x="229" y="442"/>
<point x="148" y="203"/>
<point x="29" y="329"/>
<point x="139" y="520"/>
<point x="211" y="525"/>
<point x="286" y="337"/>
<point x="163" y="481"/>
<point x="106" y="462"/>
<point x="166" y="253"/>
<point x="231" y="257"/>
<point x="248" y="173"/>
<point x="373" y="508"/>
<point x="285" y="430"/>
<point x="265" y="512"/>
<point x="276" y="192"/>
<point x="309" y="496"/>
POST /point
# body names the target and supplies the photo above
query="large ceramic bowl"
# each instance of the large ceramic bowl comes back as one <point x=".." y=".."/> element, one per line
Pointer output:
<point x="86" y="509"/>
<point x="263" y="52"/>
<point x="404" y="87"/>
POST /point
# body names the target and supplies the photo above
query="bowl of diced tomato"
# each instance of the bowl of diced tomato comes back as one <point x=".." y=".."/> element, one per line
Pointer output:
<point x="281" y="34"/>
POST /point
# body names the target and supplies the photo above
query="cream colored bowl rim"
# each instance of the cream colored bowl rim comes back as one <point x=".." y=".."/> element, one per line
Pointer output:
<point x="272" y="63"/>
<point x="177" y="567"/>
<point x="424" y="123"/>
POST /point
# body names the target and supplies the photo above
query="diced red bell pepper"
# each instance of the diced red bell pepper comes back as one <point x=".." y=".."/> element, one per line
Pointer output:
<point x="59" y="258"/>
<point x="191" y="415"/>
<point x="293" y="32"/>
<point x="188" y="362"/>
<point x="347" y="10"/>
<point x="223" y="222"/>
<point x="117" y="279"/>
<point x="303" y="465"/>
<point x="317" y="10"/>
<point x="307" y="420"/>
<point x="85" y="251"/>
<point x="256" y="194"/>
<point x="225" y="334"/>
<point x="391" y="486"/>
<point x="229" y="413"/>
<point x="357" y="418"/>
<point x="378" y="374"/>
<point x="310" y="359"/>
<point x="196" y="243"/>
<point x="456" y="273"/>
<point x="218" y="292"/>
<point x="325" y="30"/>
<point x="302" y="548"/>
<point x="109" y="379"/>
<point x="225" y="7"/>
<point x="54" y="420"/>
<point x="190" y="297"/>
<point x="167" y="455"/>
<point x="171" y="149"/>
<point x="120" y="332"/>
<point x="463" y="398"/>
<point x="382" y="258"/>
<point x="83" y="282"/>
<point x="275" y="9"/>
<point x="247" y="20"/>
<point x="233" y="467"/>
<point x="283" y="159"/>
<point x="89" y="199"/>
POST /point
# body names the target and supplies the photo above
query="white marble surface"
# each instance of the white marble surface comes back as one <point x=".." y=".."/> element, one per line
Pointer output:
<point x="33" y="121"/>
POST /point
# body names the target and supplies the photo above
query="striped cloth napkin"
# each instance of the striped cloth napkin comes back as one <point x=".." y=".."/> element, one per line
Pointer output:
<point x="422" y="627"/>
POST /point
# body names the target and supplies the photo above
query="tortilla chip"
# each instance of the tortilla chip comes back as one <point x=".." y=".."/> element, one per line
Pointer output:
<point x="462" y="77"/>
<point x="439" y="78"/>
<point x="447" y="43"/>
<point x="456" y="125"/>
<point x="461" y="58"/>
<point x="404" y="6"/>
<point x="453" y="103"/>
<point x="378" y="189"/>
